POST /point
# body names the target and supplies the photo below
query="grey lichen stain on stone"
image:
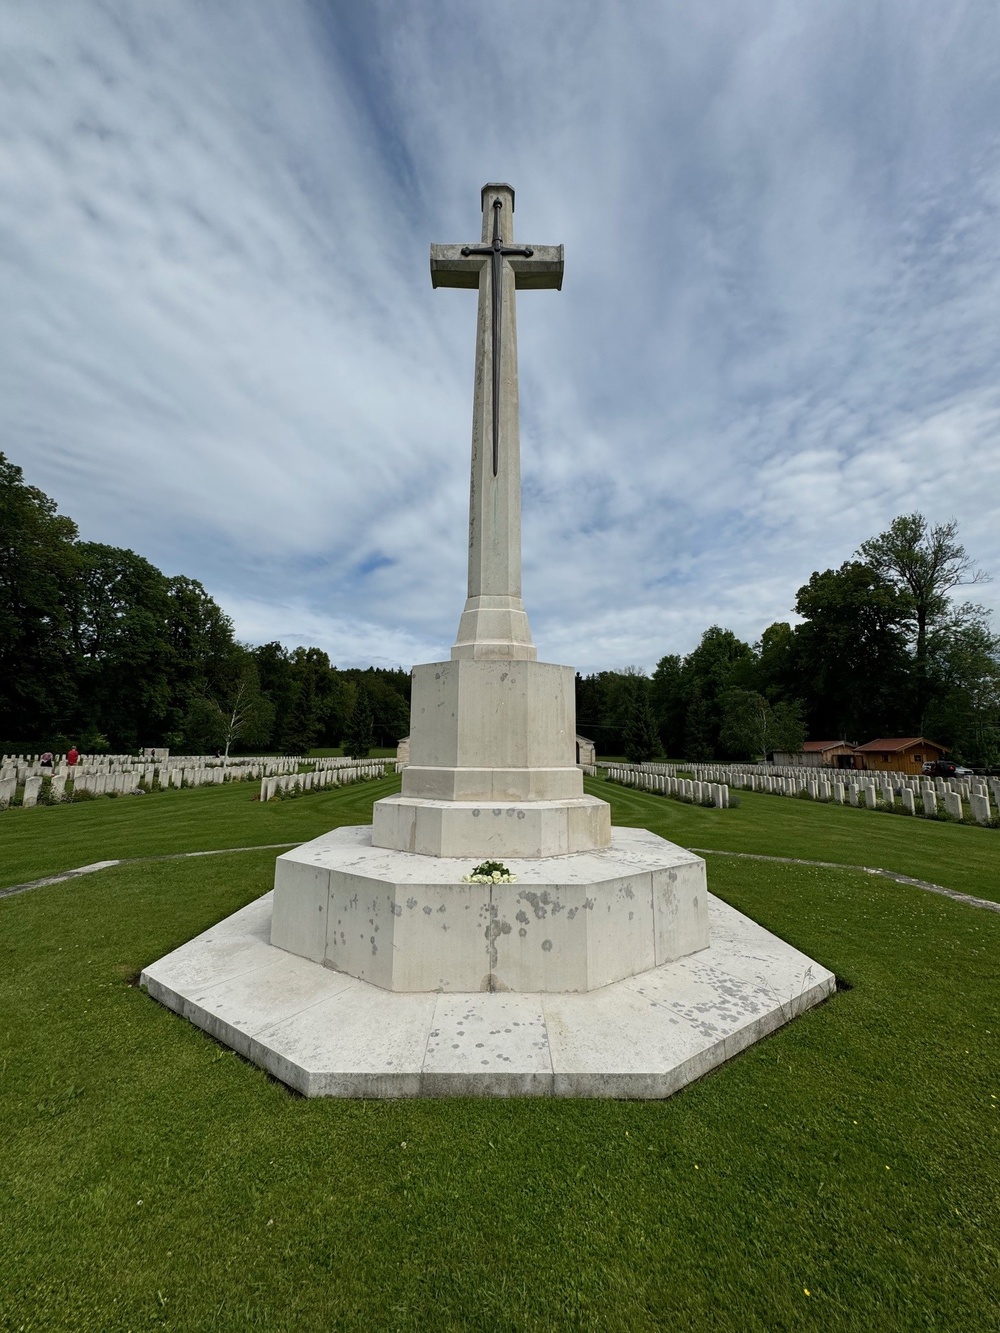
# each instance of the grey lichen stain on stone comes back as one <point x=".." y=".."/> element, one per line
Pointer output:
<point x="443" y="908"/>
<point x="374" y="946"/>
<point x="522" y="932"/>
<point x="397" y="909"/>
<point x="411" y="903"/>
<point x="493" y="931"/>
<point x="540" y="902"/>
<point x="629" y="891"/>
<point x="547" y="945"/>
<point x="522" y="916"/>
<point x="572" y="913"/>
<point x="427" y="911"/>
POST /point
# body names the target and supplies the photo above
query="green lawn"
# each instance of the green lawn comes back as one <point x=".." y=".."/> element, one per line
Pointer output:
<point x="151" y="1180"/>
<point x="45" y="840"/>
<point x="963" y="857"/>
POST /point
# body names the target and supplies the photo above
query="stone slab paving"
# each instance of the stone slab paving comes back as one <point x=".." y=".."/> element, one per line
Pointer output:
<point x="329" y="1035"/>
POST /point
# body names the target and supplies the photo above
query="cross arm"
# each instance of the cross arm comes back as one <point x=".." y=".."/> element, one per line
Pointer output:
<point x="543" y="268"/>
<point x="450" y="268"/>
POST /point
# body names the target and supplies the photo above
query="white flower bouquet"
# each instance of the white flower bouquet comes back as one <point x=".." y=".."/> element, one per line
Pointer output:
<point x="490" y="872"/>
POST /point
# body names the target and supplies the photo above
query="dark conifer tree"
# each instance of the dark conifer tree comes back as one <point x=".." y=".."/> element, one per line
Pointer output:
<point x="360" y="734"/>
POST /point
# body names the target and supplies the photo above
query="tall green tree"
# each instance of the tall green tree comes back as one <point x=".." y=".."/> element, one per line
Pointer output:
<point x="120" y="610"/>
<point x="360" y="733"/>
<point x="668" y="698"/>
<point x="37" y="567"/>
<point x="923" y="563"/>
<point x="964" y="687"/>
<point x="640" y="735"/>
<point x="237" y="716"/>
<point x="302" y="723"/>
<point x="753" y="729"/>
<point x="852" y="654"/>
<point x="687" y="693"/>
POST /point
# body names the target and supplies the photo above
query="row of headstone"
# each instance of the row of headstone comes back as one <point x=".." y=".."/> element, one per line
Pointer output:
<point x="667" y="784"/>
<point x="125" y="777"/>
<point x="245" y="766"/>
<point x="846" y="786"/>
<point x="965" y="786"/>
<point x="355" y="771"/>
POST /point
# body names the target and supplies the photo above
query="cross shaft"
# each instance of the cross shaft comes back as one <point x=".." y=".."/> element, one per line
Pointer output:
<point x="497" y="252"/>
<point x="494" y="623"/>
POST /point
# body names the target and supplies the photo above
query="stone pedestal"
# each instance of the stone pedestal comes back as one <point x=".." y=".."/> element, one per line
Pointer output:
<point x="407" y="922"/>
<point x="492" y="765"/>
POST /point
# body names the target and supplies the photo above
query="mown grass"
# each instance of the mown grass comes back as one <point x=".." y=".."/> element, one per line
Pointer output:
<point x="842" y="1175"/>
<point x="46" y="840"/>
<point x="959" y="856"/>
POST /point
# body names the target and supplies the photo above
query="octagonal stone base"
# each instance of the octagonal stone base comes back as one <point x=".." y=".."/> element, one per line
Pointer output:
<point x="569" y="923"/>
<point x="329" y="1035"/>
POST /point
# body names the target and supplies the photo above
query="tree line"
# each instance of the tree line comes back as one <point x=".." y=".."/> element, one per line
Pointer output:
<point x="884" y="648"/>
<point x="99" y="647"/>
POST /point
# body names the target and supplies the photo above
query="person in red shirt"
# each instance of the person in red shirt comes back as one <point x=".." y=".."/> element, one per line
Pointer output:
<point x="73" y="757"/>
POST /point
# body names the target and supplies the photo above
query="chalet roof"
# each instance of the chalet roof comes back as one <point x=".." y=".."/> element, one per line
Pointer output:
<point x="814" y="747"/>
<point x="893" y="743"/>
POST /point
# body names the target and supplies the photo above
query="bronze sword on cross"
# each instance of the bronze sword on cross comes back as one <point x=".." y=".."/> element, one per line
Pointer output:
<point x="498" y="252"/>
<point x="531" y="266"/>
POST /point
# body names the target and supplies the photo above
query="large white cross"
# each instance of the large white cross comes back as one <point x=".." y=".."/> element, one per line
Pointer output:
<point x="494" y="623"/>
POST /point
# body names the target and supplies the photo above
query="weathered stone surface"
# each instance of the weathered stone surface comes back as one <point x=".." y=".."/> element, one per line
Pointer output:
<point x="327" y="1034"/>
<point x="570" y="923"/>
<point x="497" y="734"/>
<point x="489" y="829"/>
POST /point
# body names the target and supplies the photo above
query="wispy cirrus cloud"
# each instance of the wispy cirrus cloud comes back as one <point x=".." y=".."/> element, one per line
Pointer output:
<point x="219" y="344"/>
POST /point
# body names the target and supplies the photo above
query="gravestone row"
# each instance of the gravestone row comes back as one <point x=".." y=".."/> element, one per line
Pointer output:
<point x="123" y="775"/>
<point x="841" y="787"/>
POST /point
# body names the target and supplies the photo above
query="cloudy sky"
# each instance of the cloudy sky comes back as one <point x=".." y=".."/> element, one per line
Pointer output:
<point x="219" y="345"/>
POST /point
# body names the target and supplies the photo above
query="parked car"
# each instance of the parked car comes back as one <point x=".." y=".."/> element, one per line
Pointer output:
<point x="941" y="768"/>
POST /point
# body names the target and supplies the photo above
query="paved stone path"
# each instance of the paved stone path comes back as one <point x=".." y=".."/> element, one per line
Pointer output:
<point x="966" y="898"/>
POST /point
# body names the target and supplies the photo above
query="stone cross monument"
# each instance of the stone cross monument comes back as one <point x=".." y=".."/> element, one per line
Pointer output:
<point x="492" y="772"/>
<point x="381" y="967"/>
<point x="494" y="727"/>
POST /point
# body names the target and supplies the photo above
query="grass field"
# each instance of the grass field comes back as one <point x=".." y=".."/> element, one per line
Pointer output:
<point x="47" y="839"/>
<point x="844" y="1174"/>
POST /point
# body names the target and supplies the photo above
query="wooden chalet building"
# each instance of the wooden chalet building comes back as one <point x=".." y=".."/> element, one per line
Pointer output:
<point x="818" y="754"/>
<point x="901" y="754"/>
